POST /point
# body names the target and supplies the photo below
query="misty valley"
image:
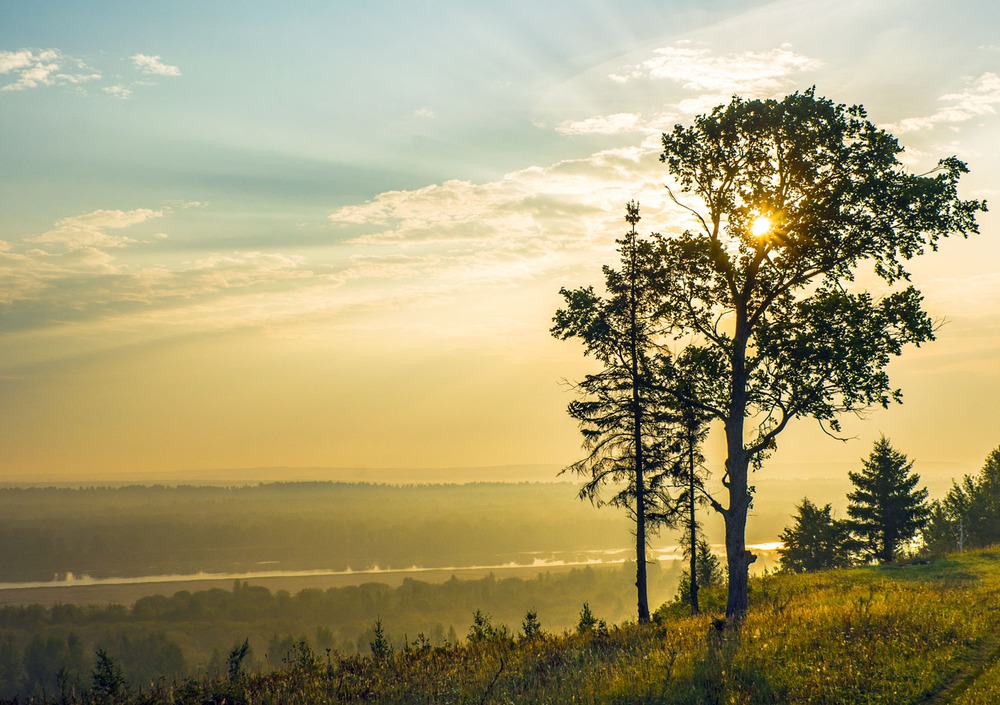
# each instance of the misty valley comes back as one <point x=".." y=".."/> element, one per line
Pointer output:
<point x="55" y="533"/>
<point x="94" y="549"/>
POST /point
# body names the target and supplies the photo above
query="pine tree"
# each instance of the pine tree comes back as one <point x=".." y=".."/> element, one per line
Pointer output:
<point x="886" y="508"/>
<point x="624" y="411"/>
<point x="816" y="541"/>
<point x="708" y="568"/>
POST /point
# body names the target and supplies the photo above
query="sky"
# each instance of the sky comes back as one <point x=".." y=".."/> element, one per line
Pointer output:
<point x="332" y="234"/>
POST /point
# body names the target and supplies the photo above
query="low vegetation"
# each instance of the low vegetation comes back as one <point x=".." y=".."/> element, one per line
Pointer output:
<point x="917" y="633"/>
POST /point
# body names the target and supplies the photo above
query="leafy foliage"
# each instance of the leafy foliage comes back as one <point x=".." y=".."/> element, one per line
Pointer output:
<point x="773" y="331"/>
<point x="234" y="664"/>
<point x="380" y="645"/>
<point x="887" y="510"/>
<point x="531" y="628"/>
<point x="482" y="629"/>
<point x="708" y="570"/>
<point x="108" y="677"/>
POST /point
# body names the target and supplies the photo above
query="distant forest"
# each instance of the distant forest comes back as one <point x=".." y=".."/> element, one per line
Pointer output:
<point x="52" y="649"/>
<point x="133" y="531"/>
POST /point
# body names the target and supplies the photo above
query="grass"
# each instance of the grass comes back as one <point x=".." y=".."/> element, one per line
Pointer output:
<point x="900" y="634"/>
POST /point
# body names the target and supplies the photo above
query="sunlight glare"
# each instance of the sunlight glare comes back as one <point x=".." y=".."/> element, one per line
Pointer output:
<point x="761" y="225"/>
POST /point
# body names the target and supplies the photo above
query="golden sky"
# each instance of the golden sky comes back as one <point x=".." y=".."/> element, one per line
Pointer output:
<point x="312" y="236"/>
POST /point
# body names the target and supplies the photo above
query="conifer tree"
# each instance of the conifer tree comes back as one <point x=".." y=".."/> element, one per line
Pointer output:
<point x="623" y="410"/>
<point x="816" y="541"/>
<point x="887" y="510"/>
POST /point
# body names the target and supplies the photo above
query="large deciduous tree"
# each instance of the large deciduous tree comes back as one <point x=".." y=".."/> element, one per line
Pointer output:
<point x="622" y="410"/>
<point x="887" y="509"/>
<point x="789" y="199"/>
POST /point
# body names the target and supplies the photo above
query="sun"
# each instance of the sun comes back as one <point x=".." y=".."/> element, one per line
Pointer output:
<point x="760" y="226"/>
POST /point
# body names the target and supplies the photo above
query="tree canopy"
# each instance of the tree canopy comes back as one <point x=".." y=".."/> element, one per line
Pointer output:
<point x="969" y="515"/>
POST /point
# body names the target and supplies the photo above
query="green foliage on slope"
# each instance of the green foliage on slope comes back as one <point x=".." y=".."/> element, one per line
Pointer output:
<point x="897" y="634"/>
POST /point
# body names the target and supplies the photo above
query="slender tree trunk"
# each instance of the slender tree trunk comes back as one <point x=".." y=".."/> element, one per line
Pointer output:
<point x="637" y="420"/>
<point x="640" y="517"/>
<point x="640" y="549"/>
<point x="694" y="528"/>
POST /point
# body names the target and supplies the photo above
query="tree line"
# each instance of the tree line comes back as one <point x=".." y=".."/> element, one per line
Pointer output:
<point x="190" y="633"/>
<point x="751" y="317"/>
<point x="889" y="515"/>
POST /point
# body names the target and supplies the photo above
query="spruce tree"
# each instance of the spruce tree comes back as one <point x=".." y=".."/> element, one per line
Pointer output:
<point x="887" y="510"/>
<point x="816" y="541"/>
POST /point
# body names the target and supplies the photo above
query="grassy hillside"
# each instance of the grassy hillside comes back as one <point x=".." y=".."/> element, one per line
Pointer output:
<point x="903" y="634"/>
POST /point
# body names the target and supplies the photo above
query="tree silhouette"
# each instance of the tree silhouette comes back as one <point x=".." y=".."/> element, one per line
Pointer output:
<point x="623" y="411"/>
<point x="969" y="515"/>
<point x="788" y="199"/>
<point x="707" y="570"/>
<point x="703" y="569"/>
<point x="886" y="508"/>
<point x="816" y="541"/>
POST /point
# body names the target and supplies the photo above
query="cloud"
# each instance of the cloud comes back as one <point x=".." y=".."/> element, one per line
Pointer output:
<point x="424" y="113"/>
<point x="618" y="123"/>
<point x="979" y="98"/>
<point x="715" y="78"/>
<point x="119" y="91"/>
<point x="90" y="229"/>
<point x="32" y="68"/>
<point x="530" y="221"/>
<point x="152" y="65"/>
<point x="697" y="69"/>
<point x="84" y="269"/>
<point x="602" y="124"/>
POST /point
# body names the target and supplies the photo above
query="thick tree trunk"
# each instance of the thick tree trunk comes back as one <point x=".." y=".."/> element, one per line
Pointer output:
<point x="738" y="558"/>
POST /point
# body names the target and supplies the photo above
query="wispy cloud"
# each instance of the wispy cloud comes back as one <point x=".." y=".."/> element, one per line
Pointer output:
<point x="698" y="69"/>
<point x="533" y="223"/>
<point x="713" y="78"/>
<point x="602" y="124"/>
<point x="152" y="65"/>
<point x="979" y="98"/>
<point x="82" y="269"/>
<point x="32" y="68"/>
<point x="618" y="123"/>
<point x="424" y="113"/>
<point x="119" y="91"/>
<point x="91" y="229"/>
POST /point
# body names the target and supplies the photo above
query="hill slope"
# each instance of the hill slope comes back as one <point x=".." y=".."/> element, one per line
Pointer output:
<point x="900" y="634"/>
